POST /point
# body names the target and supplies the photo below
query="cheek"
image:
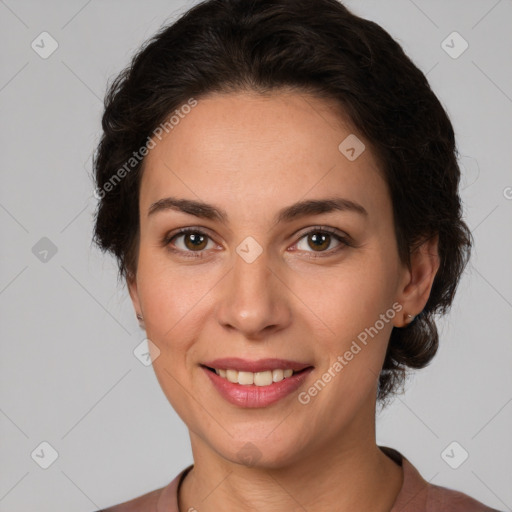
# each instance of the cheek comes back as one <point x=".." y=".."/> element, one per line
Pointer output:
<point x="171" y="295"/>
<point x="171" y="301"/>
<point x="349" y="297"/>
<point x="350" y="301"/>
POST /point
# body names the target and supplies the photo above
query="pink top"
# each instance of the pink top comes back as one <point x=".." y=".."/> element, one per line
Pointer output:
<point x="416" y="495"/>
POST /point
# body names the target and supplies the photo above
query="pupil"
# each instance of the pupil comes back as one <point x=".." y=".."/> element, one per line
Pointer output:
<point x="316" y="238"/>
<point x="196" y="239"/>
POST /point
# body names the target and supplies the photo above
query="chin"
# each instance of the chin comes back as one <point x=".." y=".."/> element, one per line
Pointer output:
<point x="260" y="452"/>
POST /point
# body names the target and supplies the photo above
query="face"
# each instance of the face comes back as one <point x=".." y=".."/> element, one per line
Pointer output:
<point x="256" y="278"/>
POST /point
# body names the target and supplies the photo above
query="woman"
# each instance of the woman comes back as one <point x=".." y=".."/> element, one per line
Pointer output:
<point x="279" y="185"/>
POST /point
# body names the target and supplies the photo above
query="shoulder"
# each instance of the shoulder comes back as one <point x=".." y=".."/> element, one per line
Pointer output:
<point x="145" y="503"/>
<point x="443" y="499"/>
<point x="418" y="495"/>
<point x="164" y="499"/>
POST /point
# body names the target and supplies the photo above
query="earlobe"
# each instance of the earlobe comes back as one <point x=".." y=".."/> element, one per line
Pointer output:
<point x="131" y="283"/>
<point x="424" y="264"/>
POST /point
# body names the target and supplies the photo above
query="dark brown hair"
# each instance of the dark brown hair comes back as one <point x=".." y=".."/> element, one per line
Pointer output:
<point x="314" y="46"/>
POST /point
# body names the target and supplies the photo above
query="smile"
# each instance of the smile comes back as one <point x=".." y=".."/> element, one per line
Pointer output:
<point x="252" y="384"/>
<point x="264" y="378"/>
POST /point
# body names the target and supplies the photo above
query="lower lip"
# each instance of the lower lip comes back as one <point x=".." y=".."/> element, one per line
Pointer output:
<point x="256" y="396"/>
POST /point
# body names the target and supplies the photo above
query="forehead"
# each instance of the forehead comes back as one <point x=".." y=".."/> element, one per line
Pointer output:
<point x="245" y="149"/>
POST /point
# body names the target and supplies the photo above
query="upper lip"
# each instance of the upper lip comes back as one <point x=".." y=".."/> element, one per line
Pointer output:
<point x="245" y="365"/>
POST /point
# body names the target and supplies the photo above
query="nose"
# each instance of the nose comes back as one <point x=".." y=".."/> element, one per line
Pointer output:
<point x="254" y="299"/>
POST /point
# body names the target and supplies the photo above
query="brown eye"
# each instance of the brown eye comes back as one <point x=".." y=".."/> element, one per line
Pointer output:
<point x="319" y="240"/>
<point x="194" y="241"/>
<point x="188" y="240"/>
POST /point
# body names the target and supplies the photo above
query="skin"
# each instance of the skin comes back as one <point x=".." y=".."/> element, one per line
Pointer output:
<point x="252" y="155"/>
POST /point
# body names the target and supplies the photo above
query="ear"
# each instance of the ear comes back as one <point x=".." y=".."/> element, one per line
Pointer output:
<point x="417" y="281"/>
<point x="131" y="283"/>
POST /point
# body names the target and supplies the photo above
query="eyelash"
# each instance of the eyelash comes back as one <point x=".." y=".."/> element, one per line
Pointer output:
<point x="345" y="241"/>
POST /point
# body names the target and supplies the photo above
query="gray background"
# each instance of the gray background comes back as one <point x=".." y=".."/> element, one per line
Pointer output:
<point x="68" y="373"/>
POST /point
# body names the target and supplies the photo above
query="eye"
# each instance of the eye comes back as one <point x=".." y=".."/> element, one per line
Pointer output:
<point x="193" y="241"/>
<point x="320" y="239"/>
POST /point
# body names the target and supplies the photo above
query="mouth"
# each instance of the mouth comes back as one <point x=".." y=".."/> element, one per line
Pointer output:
<point x="255" y="383"/>
<point x="262" y="378"/>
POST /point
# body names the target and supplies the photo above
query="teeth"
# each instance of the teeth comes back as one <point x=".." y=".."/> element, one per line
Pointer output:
<point x="245" y="378"/>
<point x="232" y="376"/>
<point x="277" y="375"/>
<point x="259" y="378"/>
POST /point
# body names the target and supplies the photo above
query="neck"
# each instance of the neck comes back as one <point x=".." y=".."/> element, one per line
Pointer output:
<point x="352" y="476"/>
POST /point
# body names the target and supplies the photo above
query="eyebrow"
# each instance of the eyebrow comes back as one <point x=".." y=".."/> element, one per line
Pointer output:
<point x="287" y="214"/>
